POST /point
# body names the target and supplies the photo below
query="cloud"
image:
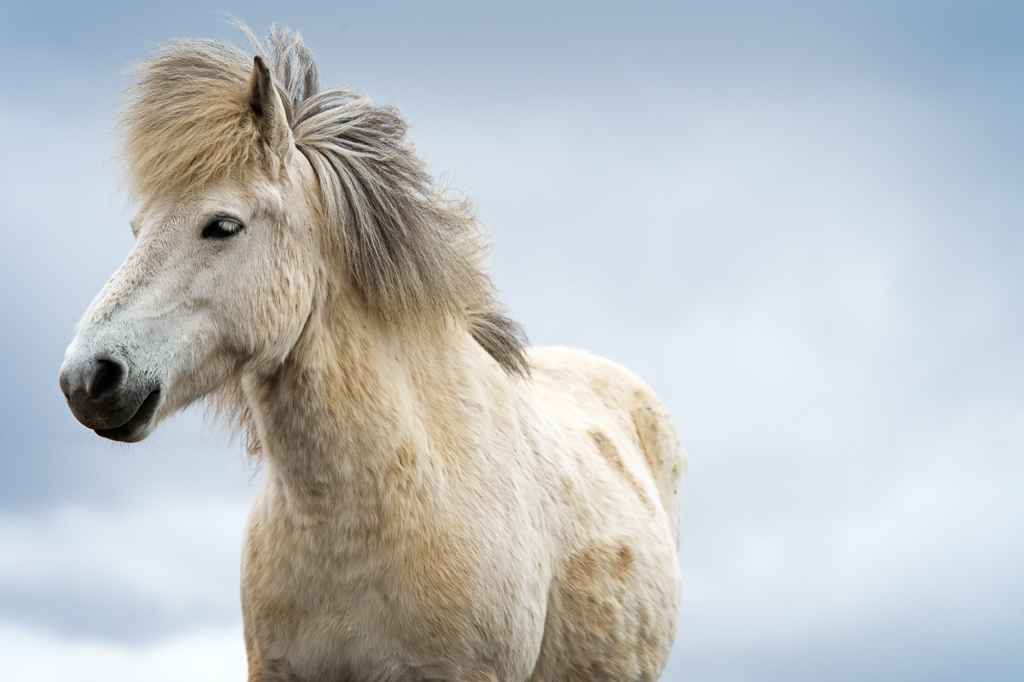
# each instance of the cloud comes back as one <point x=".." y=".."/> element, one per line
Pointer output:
<point x="132" y="572"/>
<point x="199" y="655"/>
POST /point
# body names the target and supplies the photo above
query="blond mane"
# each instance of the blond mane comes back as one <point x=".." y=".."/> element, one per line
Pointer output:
<point x="415" y="252"/>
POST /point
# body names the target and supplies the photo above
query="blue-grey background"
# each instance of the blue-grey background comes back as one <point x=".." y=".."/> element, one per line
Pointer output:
<point x="800" y="222"/>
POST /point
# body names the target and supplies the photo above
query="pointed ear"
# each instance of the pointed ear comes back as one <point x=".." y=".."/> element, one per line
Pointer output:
<point x="268" y="110"/>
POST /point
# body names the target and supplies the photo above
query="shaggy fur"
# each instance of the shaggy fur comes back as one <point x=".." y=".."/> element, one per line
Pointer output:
<point x="415" y="253"/>
<point x="437" y="502"/>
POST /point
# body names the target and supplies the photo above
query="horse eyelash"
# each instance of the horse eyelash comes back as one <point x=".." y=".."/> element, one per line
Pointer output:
<point x="212" y="230"/>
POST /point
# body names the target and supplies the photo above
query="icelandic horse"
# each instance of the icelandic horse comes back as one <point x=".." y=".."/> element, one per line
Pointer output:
<point x="439" y="501"/>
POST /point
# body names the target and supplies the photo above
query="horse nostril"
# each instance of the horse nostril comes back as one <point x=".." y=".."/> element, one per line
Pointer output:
<point x="107" y="376"/>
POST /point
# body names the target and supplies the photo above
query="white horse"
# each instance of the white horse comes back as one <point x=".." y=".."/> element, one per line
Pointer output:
<point x="439" y="502"/>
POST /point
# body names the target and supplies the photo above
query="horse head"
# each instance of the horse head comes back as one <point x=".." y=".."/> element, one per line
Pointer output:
<point x="267" y="203"/>
<point x="221" y="278"/>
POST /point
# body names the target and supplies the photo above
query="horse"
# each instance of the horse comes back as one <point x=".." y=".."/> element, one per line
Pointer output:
<point x="439" y="501"/>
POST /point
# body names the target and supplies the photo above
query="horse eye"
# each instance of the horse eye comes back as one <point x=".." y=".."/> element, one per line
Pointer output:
<point x="222" y="228"/>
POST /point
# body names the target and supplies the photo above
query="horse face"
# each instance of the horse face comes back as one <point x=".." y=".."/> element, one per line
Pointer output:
<point x="217" y="283"/>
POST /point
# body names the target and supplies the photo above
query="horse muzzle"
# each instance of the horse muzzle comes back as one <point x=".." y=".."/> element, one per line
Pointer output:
<point x="106" y="396"/>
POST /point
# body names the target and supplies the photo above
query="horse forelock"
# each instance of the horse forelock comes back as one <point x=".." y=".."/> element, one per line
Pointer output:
<point x="414" y="250"/>
<point x="186" y="121"/>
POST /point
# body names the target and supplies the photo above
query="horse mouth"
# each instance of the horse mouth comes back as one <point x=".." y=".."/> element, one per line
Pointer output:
<point x="136" y="428"/>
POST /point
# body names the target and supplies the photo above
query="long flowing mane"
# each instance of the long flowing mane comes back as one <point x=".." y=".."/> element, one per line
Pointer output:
<point x="415" y="252"/>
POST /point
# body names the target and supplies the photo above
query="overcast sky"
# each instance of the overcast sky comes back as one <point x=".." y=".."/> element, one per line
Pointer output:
<point x="800" y="223"/>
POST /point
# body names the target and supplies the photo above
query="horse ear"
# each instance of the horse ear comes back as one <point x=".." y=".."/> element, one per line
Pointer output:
<point x="268" y="109"/>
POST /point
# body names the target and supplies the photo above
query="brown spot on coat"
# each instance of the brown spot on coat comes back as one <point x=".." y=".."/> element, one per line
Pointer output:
<point x="611" y="455"/>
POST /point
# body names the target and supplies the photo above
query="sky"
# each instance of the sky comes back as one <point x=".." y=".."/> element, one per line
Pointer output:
<point x="800" y="223"/>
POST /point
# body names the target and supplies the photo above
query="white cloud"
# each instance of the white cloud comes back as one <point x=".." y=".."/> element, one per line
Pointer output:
<point x="179" y="555"/>
<point x="924" y="550"/>
<point x="199" y="655"/>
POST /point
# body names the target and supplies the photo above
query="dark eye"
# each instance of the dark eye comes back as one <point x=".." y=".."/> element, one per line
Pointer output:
<point x="222" y="227"/>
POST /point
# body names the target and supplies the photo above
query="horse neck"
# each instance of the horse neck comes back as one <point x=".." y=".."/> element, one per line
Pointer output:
<point x="360" y="410"/>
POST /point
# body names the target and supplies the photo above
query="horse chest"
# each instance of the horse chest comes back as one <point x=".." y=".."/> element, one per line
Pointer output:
<point x="338" y="605"/>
